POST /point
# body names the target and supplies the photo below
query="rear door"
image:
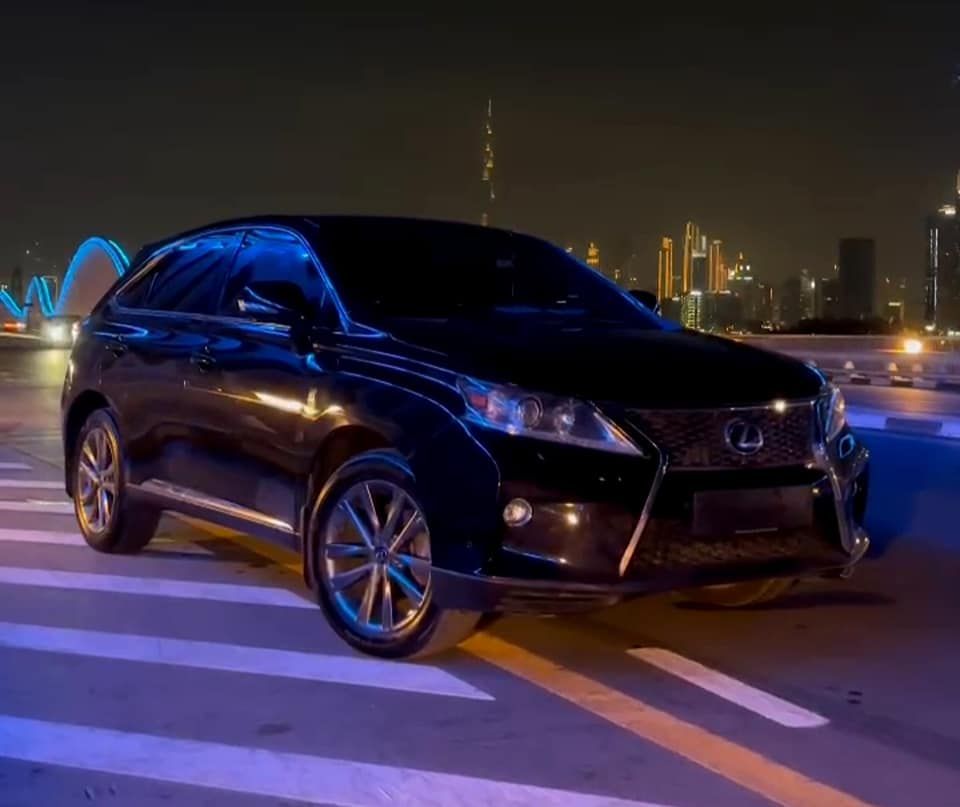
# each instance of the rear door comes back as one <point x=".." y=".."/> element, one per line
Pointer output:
<point x="268" y="387"/>
<point x="154" y="347"/>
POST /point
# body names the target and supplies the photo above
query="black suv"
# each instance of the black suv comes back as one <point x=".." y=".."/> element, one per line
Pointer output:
<point x="448" y="421"/>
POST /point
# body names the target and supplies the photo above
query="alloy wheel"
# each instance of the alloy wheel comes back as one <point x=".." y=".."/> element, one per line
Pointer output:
<point x="376" y="560"/>
<point x="97" y="480"/>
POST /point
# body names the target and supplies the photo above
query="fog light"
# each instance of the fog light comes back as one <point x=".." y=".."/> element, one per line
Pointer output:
<point x="517" y="512"/>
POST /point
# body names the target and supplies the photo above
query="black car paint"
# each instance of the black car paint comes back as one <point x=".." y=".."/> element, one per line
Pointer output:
<point x="249" y="413"/>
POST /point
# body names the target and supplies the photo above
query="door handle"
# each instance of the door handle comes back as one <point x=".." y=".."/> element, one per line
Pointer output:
<point x="203" y="362"/>
<point x="116" y="347"/>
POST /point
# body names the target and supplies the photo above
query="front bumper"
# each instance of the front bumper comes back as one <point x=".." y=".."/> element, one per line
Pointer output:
<point x="578" y="555"/>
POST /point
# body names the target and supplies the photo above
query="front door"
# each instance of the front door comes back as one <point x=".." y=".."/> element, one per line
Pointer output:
<point x="267" y="387"/>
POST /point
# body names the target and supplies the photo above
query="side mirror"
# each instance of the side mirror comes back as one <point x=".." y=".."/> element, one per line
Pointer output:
<point x="646" y="298"/>
<point x="277" y="301"/>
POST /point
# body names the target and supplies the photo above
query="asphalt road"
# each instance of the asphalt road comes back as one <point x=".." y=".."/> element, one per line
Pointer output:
<point x="196" y="674"/>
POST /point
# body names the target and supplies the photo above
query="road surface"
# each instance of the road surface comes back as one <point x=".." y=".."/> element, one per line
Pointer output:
<point x="197" y="674"/>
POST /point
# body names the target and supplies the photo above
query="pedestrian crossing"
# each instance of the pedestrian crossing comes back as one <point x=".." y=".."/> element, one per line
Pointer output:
<point x="145" y="660"/>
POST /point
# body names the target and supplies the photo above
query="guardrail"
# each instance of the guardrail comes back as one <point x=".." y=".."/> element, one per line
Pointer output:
<point x="923" y="362"/>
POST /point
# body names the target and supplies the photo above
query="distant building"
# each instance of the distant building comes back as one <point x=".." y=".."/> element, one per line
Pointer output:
<point x="671" y="308"/>
<point x="489" y="194"/>
<point x="593" y="256"/>
<point x="665" y="277"/>
<point x="699" y="280"/>
<point x="857" y="269"/>
<point x="691" y="314"/>
<point x="722" y="310"/>
<point x="894" y="301"/>
<point x="691" y="241"/>
<point x="808" y="294"/>
<point x="827" y="305"/>
<point x="764" y="303"/>
<point x="717" y="271"/>
<point x="942" y="278"/>
<point x="792" y="308"/>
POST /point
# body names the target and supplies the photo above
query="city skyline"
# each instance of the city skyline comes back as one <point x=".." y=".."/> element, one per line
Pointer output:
<point x="603" y="141"/>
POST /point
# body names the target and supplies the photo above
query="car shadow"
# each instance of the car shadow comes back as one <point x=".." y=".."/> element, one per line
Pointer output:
<point x="803" y="600"/>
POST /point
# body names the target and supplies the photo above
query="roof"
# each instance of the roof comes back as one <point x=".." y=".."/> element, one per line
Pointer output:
<point x="308" y="225"/>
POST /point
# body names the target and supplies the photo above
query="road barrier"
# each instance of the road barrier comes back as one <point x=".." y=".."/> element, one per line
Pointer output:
<point x="928" y="363"/>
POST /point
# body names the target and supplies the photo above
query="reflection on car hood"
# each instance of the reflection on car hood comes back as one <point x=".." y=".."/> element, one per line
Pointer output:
<point x="650" y="368"/>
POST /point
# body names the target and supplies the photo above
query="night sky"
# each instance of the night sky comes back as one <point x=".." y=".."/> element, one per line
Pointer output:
<point x="777" y="135"/>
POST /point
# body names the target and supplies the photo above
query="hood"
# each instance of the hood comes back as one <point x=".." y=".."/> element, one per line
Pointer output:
<point x="640" y="368"/>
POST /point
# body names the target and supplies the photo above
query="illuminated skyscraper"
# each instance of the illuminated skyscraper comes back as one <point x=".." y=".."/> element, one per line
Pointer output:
<point x="699" y="273"/>
<point x="717" y="271"/>
<point x="691" y="242"/>
<point x="665" y="269"/>
<point x="691" y="312"/>
<point x="593" y="256"/>
<point x="490" y="195"/>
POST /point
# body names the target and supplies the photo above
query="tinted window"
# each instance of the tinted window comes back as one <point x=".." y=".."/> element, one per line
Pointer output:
<point x="190" y="277"/>
<point x="385" y="270"/>
<point x="134" y="294"/>
<point x="274" y="279"/>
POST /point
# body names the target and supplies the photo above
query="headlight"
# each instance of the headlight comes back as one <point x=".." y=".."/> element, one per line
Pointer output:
<point x="833" y="414"/>
<point x="56" y="332"/>
<point x="544" y="417"/>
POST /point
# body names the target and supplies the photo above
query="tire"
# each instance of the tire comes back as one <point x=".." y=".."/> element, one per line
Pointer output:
<point x="378" y="482"/>
<point x="741" y="595"/>
<point x="126" y="528"/>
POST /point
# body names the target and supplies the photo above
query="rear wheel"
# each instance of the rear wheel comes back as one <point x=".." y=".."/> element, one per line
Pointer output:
<point x="373" y="564"/>
<point x="740" y="595"/>
<point x="107" y="519"/>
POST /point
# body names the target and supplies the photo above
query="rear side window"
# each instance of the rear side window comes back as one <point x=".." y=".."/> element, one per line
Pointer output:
<point x="188" y="277"/>
<point x="134" y="294"/>
<point x="273" y="279"/>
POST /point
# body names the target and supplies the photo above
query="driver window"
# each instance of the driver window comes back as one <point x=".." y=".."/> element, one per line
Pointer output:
<point x="274" y="280"/>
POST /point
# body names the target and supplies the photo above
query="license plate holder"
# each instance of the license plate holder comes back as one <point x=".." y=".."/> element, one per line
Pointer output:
<point x="750" y="511"/>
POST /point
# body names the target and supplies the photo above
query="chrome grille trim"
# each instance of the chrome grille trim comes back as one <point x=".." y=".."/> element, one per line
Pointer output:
<point x="645" y="513"/>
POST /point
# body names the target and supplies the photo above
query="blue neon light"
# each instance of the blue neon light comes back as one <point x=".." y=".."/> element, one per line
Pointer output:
<point x="38" y="290"/>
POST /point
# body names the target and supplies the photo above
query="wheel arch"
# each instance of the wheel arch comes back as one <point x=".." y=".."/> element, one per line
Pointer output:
<point x="337" y="449"/>
<point x="85" y="404"/>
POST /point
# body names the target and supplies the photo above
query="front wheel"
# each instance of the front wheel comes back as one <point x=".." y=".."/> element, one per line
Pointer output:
<point x="740" y="595"/>
<point x="372" y="564"/>
<point x="107" y="519"/>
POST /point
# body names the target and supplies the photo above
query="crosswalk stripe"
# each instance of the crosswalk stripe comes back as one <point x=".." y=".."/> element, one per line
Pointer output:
<point x="331" y="669"/>
<point x="14" y="466"/>
<point x="60" y="508"/>
<point x="32" y="484"/>
<point x="279" y="775"/>
<point x="730" y="689"/>
<point x="152" y="587"/>
<point x="57" y="538"/>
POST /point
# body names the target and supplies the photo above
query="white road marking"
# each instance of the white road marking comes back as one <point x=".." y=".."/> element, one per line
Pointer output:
<point x="160" y="543"/>
<point x="32" y="484"/>
<point x="278" y="775"/>
<point x="152" y="587"/>
<point x="730" y="689"/>
<point x="64" y="508"/>
<point x="14" y="466"/>
<point x="331" y="669"/>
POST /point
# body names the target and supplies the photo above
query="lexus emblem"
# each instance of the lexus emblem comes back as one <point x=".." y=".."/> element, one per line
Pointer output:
<point x="743" y="437"/>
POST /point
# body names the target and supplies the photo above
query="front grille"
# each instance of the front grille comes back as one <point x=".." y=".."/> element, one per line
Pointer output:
<point x="696" y="439"/>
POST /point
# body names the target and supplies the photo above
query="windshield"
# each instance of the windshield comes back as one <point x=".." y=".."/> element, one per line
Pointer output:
<point x="402" y="270"/>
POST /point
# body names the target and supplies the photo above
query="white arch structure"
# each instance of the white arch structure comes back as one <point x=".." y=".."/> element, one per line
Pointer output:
<point x="96" y="264"/>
